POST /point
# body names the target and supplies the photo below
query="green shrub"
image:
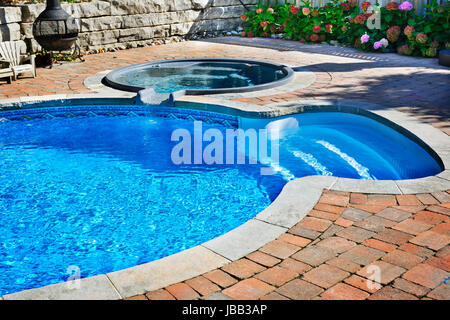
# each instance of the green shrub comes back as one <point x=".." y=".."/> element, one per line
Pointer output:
<point x="401" y="30"/>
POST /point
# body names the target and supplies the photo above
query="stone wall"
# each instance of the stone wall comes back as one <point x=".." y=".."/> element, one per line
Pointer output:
<point x="119" y="23"/>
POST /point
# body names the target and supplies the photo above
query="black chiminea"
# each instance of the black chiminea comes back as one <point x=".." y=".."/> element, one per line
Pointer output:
<point x="55" y="29"/>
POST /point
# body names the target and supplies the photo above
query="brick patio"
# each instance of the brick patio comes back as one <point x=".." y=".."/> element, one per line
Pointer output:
<point x="329" y="254"/>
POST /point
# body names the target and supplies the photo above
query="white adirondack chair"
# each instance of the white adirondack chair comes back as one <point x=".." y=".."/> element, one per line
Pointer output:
<point x="10" y="52"/>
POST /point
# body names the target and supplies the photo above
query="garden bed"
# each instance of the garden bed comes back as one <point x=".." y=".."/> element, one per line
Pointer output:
<point x="394" y="27"/>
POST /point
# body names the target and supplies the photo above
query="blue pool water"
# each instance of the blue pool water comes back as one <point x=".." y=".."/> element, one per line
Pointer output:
<point x="101" y="192"/>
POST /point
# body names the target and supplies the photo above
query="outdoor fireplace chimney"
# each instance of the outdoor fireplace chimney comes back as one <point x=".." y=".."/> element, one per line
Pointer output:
<point x="54" y="29"/>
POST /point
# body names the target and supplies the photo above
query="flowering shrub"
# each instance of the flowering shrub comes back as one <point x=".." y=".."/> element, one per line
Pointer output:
<point x="392" y="6"/>
<point x="408" y="31"/>
<point x="377" y="45"/>
<point x="365" y="38"/>
<point x="421" y="38"/>
<point x="393" y="33"/>
<point x="346" y="21"/>
<point x="405" y="49"/>
<point x="297" y="23"/>
<point x="365" y="5"/>
<point x="405" y="6"/>
<point x="431" y="52"/>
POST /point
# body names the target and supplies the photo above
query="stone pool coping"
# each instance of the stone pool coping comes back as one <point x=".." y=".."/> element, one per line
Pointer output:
<point x="295" y="201"/>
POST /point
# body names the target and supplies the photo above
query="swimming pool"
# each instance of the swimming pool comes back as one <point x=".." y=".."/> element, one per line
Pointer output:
<point x="95" y="186"/>
<point x="200" y="76"/>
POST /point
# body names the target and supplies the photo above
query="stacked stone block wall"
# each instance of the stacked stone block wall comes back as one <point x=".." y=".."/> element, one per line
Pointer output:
<point x="119" y="23"/>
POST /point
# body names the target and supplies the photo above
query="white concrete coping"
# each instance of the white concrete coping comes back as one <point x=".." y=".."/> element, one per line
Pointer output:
<point x="295" y="201"/>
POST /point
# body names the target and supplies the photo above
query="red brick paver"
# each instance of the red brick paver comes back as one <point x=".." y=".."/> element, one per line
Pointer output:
<point x="160" y="294"/>
<point x="343" y="291"/>
<point x="249" y="289"/>
<point x="182" y="291"/>
<point x="243" y="268"/>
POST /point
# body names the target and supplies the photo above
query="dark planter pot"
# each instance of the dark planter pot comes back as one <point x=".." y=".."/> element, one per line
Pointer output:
<point x="444" y="57"/>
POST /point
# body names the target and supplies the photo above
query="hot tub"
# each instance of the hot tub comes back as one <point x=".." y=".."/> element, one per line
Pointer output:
<point x="200" y="76"/>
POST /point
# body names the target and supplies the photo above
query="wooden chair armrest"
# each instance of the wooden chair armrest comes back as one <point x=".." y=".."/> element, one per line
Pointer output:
<point x="26" y="57"/>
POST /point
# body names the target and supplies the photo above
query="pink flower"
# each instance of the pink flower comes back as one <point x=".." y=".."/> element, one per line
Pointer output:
<point x="384" y="42"/>
<point x="408" y="31"/>
<point x="329" y="28"/>
<point x="270" y="10"/>
<point x="259" y="10"/>
<point x="377" y="45"/>
<point x="306" y="11"/>
<point x="405" y="49"/>
<point x="421" y="38"/>
<point x="316" y="29"/>
<point x="392" y="6"/>
<point x="365" y="38"/>
<point x="314" y="37"/>
<point x="345" y="6"/>
<point x="393" y="33"/>
<point x="365" y="5"/>
<point x="244" y="17"/>
<point x="263" y="24"/>
<point x="405" y="6"/>
<point x="294" y="9"/>
<point x="361" y="18"/>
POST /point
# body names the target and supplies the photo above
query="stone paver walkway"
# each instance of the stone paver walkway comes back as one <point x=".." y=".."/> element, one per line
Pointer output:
<point x="417" y="86"/>
<point x="331" y="254"/>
